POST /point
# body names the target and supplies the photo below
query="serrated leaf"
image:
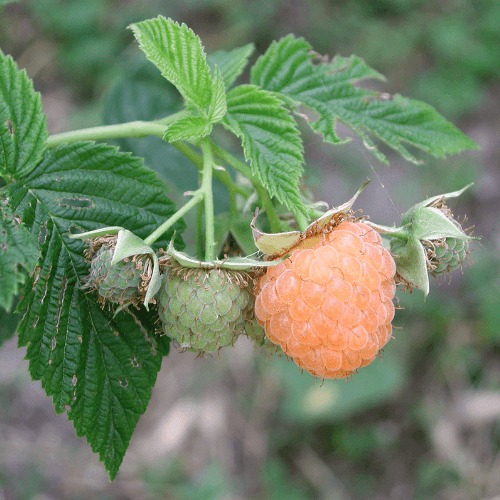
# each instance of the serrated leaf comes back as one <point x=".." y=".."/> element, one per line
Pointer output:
<point x="18" y="251"/>
<point x="188" y="128"/>
<point x="23" y="128"/>
<point x="270" y="139"/>
<point x="179" y="55"/>
<point x="99" y="367"/>
<point x="327" y="88"/>
<point x="218" y="106"/>
<point x="144" y="96"/>
<point x="231" y="64"/>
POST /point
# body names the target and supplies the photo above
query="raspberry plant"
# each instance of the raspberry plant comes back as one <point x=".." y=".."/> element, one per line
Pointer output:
<point x="64" y="193"/>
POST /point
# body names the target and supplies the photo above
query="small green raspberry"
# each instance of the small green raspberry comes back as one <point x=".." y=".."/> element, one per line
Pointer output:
<point x="122" y="283"/>
<point x="447" y="254"/>
<point x="443" y="255"/>
<point x="204" y="309"/>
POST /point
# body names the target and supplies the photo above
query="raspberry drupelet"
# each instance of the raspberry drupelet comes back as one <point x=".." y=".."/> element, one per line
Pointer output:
<point x="329" y="304"/>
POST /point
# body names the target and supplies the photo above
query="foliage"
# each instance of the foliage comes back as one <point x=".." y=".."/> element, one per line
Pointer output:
<point x="100" y="365"/>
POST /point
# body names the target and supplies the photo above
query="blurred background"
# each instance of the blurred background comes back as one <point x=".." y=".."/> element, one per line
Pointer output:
<point x="422" y="423"/>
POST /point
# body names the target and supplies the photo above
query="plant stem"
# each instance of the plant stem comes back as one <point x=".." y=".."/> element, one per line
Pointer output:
<point x="130" y="129"/>
<point x="268" y="207"/>
<point x="199" y="232"/>
<point x="197" y="197"/>
<point x="206" y="187"/>
<point x="231" y="160"/>
<point x="222" y="176"/>
<point x="261" y="190"/>
<point x="301" y="219"/>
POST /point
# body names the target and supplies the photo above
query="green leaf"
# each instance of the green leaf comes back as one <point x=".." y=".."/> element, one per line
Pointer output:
<point x="99" y="367"/>
<point x="218" y="106"/>
<point x="145" y="95"/>
<point x="271" y="141"/>
<point x="188" y="128"/>
<point x="327" y="88"/>
<point x="23" y="128"/>
<point x="231" y="64"/>
<point x="18" y="251"/>
<point x="178" y="53"/>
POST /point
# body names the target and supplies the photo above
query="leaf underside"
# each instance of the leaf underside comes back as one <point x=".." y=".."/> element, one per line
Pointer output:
<point x="289" y="67"/>
<point x="98" y="367"/>
<point x="270" y="139"/>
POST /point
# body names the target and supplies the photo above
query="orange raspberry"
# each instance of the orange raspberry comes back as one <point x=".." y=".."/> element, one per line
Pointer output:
<point x="329" y="304"/>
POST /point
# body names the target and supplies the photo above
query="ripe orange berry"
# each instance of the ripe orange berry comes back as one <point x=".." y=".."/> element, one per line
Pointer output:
<point x="329" y="304"/>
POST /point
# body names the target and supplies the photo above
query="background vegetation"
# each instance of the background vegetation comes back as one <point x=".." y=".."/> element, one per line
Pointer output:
<point x="425" y="422"/>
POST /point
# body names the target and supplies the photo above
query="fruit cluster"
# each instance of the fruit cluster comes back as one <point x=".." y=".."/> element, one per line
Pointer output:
<point x="324" y="297"/>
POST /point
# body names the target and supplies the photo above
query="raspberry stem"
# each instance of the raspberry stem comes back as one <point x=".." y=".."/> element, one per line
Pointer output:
<point x="197" y="197"/>
<point x="206" y="188"/>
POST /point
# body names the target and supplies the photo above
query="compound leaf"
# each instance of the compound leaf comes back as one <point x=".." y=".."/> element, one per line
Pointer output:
<point x="288" y="67"/>
<point x="23" y="128"/>
<point x="97" y="366"/>
<point x="179" y="55"/>
<point x="18" y="250"/>
<point x="270" y="139"/>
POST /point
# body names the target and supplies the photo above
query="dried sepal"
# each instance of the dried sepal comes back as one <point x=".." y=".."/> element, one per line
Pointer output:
<point x="276" y="245"/>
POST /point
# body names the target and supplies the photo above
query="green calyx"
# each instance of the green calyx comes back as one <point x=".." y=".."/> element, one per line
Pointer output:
<point x="429" y="241"/>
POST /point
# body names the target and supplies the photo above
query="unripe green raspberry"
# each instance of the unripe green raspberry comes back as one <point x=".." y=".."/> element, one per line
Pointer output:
<point x="447" y="254"/>
<point x="443" y="255"/>
<point x="204" y="309"/>
<point x="120" y="283"/>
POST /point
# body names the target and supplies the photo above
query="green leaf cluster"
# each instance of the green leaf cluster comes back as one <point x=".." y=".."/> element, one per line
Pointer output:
<point x="289" y="80"/>
<point x="98" y="367"/>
